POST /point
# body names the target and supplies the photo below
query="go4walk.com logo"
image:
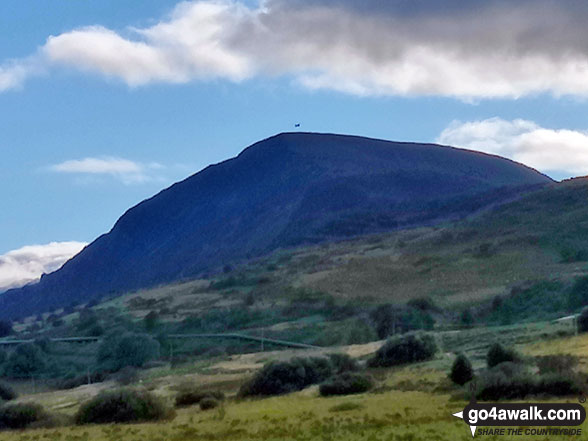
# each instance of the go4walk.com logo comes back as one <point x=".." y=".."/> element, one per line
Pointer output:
<point x="562" y="418"/>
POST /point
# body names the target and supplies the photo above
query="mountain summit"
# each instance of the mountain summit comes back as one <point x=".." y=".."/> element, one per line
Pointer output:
<point x="287" y="190"/>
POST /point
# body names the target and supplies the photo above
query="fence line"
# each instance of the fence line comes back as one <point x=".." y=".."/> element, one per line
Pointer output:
<point x="262" y="340"/>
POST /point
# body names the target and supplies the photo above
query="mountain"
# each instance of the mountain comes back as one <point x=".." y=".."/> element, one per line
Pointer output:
<point x="287" y="190"/>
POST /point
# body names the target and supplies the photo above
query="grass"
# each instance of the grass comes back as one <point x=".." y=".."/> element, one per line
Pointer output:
<point x="411" y="403"/>
<point x="394" y="415"/>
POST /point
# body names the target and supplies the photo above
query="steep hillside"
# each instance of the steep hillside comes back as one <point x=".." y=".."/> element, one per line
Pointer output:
<point x="540" y="237"/>
<point x="287" y="190"/>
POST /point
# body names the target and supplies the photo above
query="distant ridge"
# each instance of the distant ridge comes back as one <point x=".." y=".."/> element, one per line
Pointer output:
<point x="287" y="190"/>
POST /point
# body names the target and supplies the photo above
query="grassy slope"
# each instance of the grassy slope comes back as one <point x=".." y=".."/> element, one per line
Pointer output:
<point x="414" y="403"/>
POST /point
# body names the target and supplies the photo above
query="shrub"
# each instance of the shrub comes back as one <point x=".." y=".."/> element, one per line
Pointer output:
<point x="346" y="384"/>
<point x="583" y="320"/>
<point x="80" y="380"/>
<point x="500" y="383"/>
<point x="21" y="415"/>
<point x="461" y="371"/>
<point x="345" y="407"/>
<point x="45" y="344"/>
<point x="423" y="304"/>
<point x="208" y="403"/>
<point x="95" y="331"/>
<point x="7" y="393"/>
<point x="570" y="255"/>
<point x="499" y="354"/>
<point x="127" y="375"/>
<point x="122" y="406"/>
<point x="343" y="363"/>
<point x="558" y="364"/>
<point x="57" y="322"/>
<point x="191" y="395"/>
<point x="284" y="377"/>
<point x="3" y="356"/>
<point x="407" y="349"/>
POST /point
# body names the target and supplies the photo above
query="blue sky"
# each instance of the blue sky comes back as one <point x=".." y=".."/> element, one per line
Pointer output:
<point x="104" y="103"/>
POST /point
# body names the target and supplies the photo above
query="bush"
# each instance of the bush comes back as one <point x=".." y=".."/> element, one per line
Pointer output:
<point x="81" y="380"/>
<point x="123" y="406"/>
<point x="95" y="331"/>
<point x="127" y="375"/>
<point x="423" y="304"/>
<point x="345" y="407"/>
<point x="461" y="371"/>
<point x="284" y="377"/>
<point x="21" y="415"/>
<point x="7" y="393"/>
<point x="343" y="363"/>
<point x="191" y="395"/>
<point x="570" y="255"/>
<point x="504" y="382"/>
<point x="556" y="364"/>
<point x="208" y="403"/>
<point x="583" y="320"/>
<point x="346" y="384"/>
<point x="499" y="354"/>
<point x="407" y="349"/>
<point x="3" y="356"/>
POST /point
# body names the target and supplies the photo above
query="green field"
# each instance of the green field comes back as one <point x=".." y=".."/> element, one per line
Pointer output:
<point x="410" y="403"/>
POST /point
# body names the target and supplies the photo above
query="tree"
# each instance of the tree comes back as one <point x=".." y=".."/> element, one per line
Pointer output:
<point x="499" y="354"/>
<point x="461" y="371"/>
<point x="5" y="328"/>
<point x="151" y="321"/>
<point x="583" y="321"/>
<point x="26" y="360"/>
<point x="129" y="349"/>
<point x="578" y="295"/>
<point x="467" y="319"/>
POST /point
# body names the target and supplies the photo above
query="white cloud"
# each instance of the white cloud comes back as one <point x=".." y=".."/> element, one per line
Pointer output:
<point x="189" y="45"/>
<point x="27" y="264"/>
<point x="128" y="172"/>
<point x="14" y="73"/>
<point x="469" y="50"/>
<point x="559" y="153"/>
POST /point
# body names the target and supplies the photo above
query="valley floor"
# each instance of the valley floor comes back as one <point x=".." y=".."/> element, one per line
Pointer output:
<point x="410" y="403"/>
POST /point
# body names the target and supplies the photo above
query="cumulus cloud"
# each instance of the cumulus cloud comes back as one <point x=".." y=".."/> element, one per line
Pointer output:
<point x="127" y="171"/>
<point x="558" y="153"/>
<point x="27" y="264"/>
<point x="470" y="50"/>
<point x="190" y="44"/>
